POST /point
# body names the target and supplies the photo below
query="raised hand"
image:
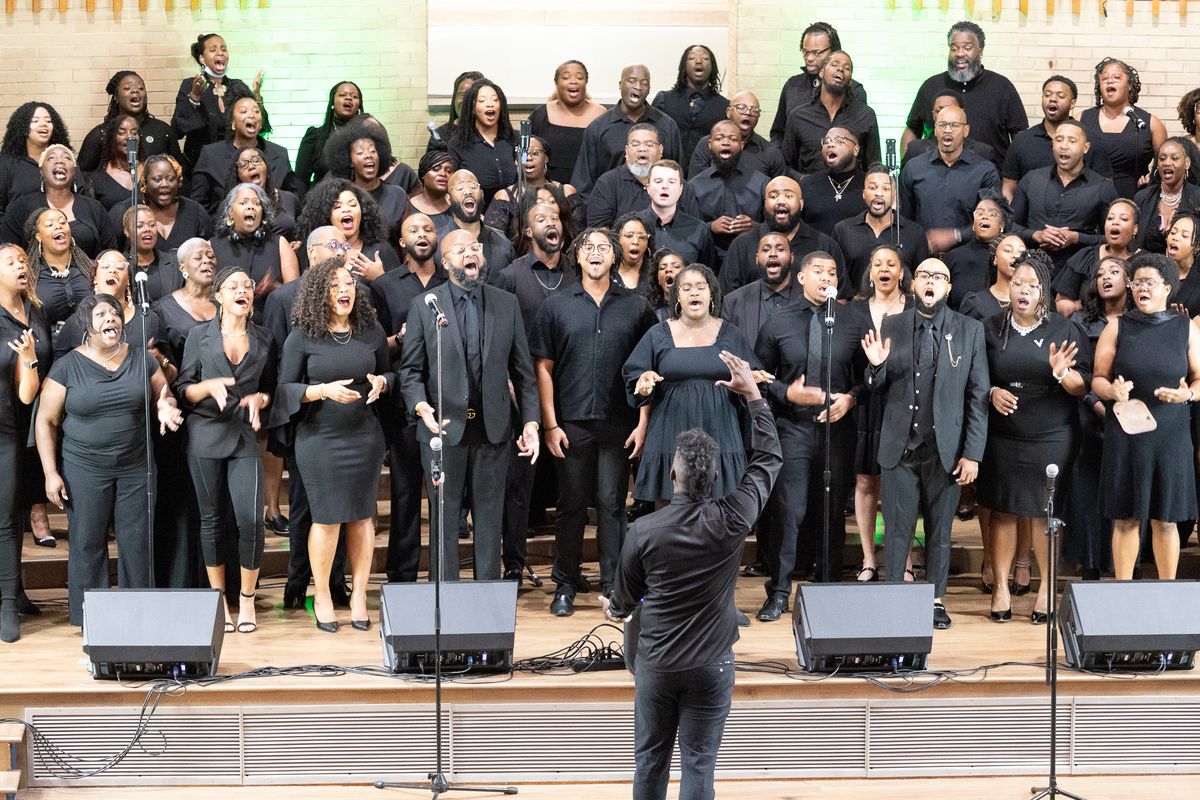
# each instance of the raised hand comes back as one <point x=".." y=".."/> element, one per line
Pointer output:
<point x="1121" y="389"/>
<point x="741" y="379"/>
<point x="876" y="348"/>
<point x="23" y="346"/>
<point x="1062" y="357"/>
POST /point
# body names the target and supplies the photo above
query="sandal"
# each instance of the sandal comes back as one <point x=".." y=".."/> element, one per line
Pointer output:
<point x="872" y="572"/>
<point x="246" y="627"/>
<point x="1020" y="588"/>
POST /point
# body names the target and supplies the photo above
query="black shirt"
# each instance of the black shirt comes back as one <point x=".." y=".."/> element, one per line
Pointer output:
<point x="681" y="563"/>
<point x="19" y="176"/>
<point x="1033" y="148"/>
<point x="822" y="208"/>
<point x="393" y="292"/>
<point x="968" y="265"/>
<point x="1041" y="199"/>
<point x="60" y="296"/>
<point x="757" y="153"/>
<point x="740" y="267"/>
<point x="920" y="146"/>
<point x="91" y="228"/>
<point x="589" y="344"/>
<point x="796" y="90"/>
<point x="857" y="240"/>
<point x="941" y="196"/>
<point x="533" y="282"/>
<point x="618" y="192"/>
<point x="155" y="137"/>
<point x="687" y="235"/>
<point x="994" y="109"/>
<point x="730" y="194"/>
<point x="493" y="164"/>
<point x="809" y="122"/>
<point x="603" y="144"/>
<point x="694" y="111"/>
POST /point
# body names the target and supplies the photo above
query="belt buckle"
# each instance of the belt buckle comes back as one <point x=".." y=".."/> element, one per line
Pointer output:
<point x="470" y="413"/>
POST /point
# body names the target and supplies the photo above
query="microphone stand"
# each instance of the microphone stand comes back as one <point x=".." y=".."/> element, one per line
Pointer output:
<point x="1053" y="525"/>
<point x="894" y="173"/>
<point x="437" y="783"/>
<point x="522" y="158"/>
<point x="143" y="302"/>
<point x="827" y="357"/>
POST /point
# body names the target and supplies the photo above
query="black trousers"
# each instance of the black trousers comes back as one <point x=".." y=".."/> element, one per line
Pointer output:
<point x="691" y="705"/>
<point x="299" y="524"/>
<point x="11" y="457"/>
<point x="918" y="483"/>
<point x="518" y="491"/>
<point x="178" y="558"/>
<point x="404" y="537"/>
<point x="591" y="472"/>
<point x="797" y="516"/>
<point x="241" y="480"/>
<point x="95" y="500"/>
<point x="479" y="467"/>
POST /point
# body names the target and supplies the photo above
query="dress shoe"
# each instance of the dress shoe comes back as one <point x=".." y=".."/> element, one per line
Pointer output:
<point x="755" y="570"/>
<point x="10" y="626"/>
<point x="26" y="607"/>
<point x="295" y="598"/>
<point x="563" y="605"/>
<point x="327" y="627"/>
<point x="360" y="624"/>
<point x="1020" y="589"/>
<point x="514" y="574"/>
<point x="772" y="609"/>
<point x="1039" y="618"/>
<point x="941" y="620"/>
<point x="742" y="620"/>
<point x="1002" y="616"/>
<point x="277" y="524"/>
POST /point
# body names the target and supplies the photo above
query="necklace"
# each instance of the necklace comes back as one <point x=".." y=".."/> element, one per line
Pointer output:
<point x="60" y="273"/>
<point x="691" y="335"/>
<point x="898" y="299"/>
<point x="239" y="335"/>
<point x="1023" y="329"/>
<point x="1171" y="200"/>
<point x="336" y="334"/>
<point x="111" y="356"/>
<point x="838" y="191"/>
<point x="546" y="286"/>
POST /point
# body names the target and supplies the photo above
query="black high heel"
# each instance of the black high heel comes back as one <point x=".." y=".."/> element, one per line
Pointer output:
<point x="360" y="624"/>
<point x="327" y="627"/>
<point x="1002" y="616"/>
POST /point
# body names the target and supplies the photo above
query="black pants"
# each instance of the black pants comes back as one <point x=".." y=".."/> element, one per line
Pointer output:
<point x="299" y="524"/>
<point x="178" y="557"/>
<point x="96" y="500"/>
<point x="797" y="510"/>
<point x="11" y="456"/>
<point x="518" y="491"/>
<point x="919" y="483"/>
<point x="241" y="479"/>
<point x="480" y="467"/>
<point x="692" y="705"/>
<point x="404" y="537"/>
<point x="591" y="472"/>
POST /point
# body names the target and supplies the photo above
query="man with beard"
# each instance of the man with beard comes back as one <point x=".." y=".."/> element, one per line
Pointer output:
<point x="818" y="40"/>
<point x="1033" y="147"/>
<point x="604" y="139"/>
<point x="728" y="193"/>
<point x="988" y="97"/>
<point x="793" y="349"/>
<point x="831" y="105"/>
<point x="672" y="226"/>
<point x="750" y="306"/>
<point x="932" y="363"/>
<point x="580" y="340"/>
<point x="879" y="224"/>
<point x="782" y="204"/>
<point x="533" y="278"/>
<point x="622" y="189"/>
<point x="757" y="153"/>
<point x="466" y="213"/>
<point x="1061" y="208"/>
<point x="695" y="101"/>
<point x="939" y="189"/>
<point x="916" y="147"/>
<point x="834" y="193"/>
<point x="392" y="295"/>
<point x="477" y="424"/>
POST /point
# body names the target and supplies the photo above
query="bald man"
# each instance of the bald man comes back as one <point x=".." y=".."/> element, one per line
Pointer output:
<point x="466" y="213"/>
<point x="757" y="153"/>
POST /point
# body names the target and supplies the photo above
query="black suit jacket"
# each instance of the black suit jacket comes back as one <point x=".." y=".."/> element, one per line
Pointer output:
<point x="742" y="306"/>
<point x="505" y="357"/>
<point x="210" y="431"/>
<point x="960" y="389"/>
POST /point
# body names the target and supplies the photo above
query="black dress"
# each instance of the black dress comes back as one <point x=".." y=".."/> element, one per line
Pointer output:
<point x="1045" y="428"/>
<point x="1130" y="150"/>
<point x="32" y="485"/>
<point x="60" y="296"/>
<point x="91" y="228"/>
<point x="1087" y="541"/>
<point x="176" y="323"/>
<point x="106" y="189"/>
<point x="1150" y="475"/>
<point x="981" y="305"/>
<point x="563" y="141"/>
<point x="191" y="220"/>
<point x="155" y="137"/>
<point x="259" y="257"/>
<point x="687" y="397"/>
<point x="968" y="265"/>
<point x="339" y="447"/>
<point x="869" y="409"/>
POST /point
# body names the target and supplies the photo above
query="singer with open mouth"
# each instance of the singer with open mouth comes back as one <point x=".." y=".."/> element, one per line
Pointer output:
<point x="1119" y="129"/>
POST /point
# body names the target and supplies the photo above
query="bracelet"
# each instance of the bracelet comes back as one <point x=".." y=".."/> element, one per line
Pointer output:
<point x="321" y="391"/>
<point x="1060" y="378"/>
<point x="30" y="364"/>
<point x="992" y="391"/>
<point x="195" y="103"/>
<point x="552" y="428"/>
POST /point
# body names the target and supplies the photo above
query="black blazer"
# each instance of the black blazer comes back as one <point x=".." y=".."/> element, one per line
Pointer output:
<point x="742" y="306"/>
<point x="960" y="389"/>
<point x="1148" y="236"/>
<point x="505" y="357"/>
<point x="209" y="431"/>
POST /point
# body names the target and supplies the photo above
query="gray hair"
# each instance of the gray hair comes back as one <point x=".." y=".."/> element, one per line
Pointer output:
<point x="268" y="208"/>
<point x="317" y="234"/>
<point x="185" y="250"/>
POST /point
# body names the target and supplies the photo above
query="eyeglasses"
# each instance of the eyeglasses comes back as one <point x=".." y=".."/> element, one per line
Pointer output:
<point x="337" y="246"/>
<point x="948" y="126"/>
<point x="742" y="108"/>
<point x="815" y="53"/>
<point x="835" y="140"/>
<point x="932" y="277"/>
<point x="1019" y="287"/>
<point x="462" y="187"/>
<point x="463" y="249"/>
<point x="635" y="237"/>
<point x="688" y="288"/>
<point x="1145" y="283"/>
<point x="589" y="247"/>
<point x="249" y="161"/>
<point x="987" y="213"/>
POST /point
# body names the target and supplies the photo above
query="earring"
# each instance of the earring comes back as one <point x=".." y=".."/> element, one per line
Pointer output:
<point x="184" y="274"/>
<point x="712" y="307"/>
<point x="678" y="310"/>
<point x="42" y="184"/>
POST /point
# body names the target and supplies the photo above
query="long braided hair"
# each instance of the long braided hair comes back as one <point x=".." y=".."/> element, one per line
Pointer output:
<point x="1042" y="267"/>
<point x="79" y="259"/>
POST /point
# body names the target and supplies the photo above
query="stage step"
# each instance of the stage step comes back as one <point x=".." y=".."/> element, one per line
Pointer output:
<point x="10" y="781"/>
<point x="11" y="737"/>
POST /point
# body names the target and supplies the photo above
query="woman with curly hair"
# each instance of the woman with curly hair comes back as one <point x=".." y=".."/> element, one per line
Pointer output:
<point x="345" y="104"/>
<point x="1039" y="366"/>
<point x="1128" y="140"/>
<point x="243" y="238"/>
<point x="249" y="165"/>
<point x="483" y="140"/>
<point x="334" y="366"/>
<point x="212" y="166"/>
<point x="177" y="218"/>
<point x="32" y="128"/>
<point x="127" y="98"/>
<point x="664" y="268"/>
<point x="110" y="180"/>
<point x="90" y="226"/>
<point x="360" y="154"/>
<point x="632" y="269"/>
<point x="351" y="210"/>
<point x="61" y="272"/>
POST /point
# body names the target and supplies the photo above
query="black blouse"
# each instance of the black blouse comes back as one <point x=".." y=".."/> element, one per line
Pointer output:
<point x="191" y="220"/>
<point x="177" y="323"/>
<point x="564" y="142"/>
<point x="155" y="137"/>
<point x="91" y="229"/>
<point x="493" y="164"/>
<point x="105" y="189"/>
<point x="19" y="176"/>
<point x="60" y="296"/>
<point x="206" y="123"/>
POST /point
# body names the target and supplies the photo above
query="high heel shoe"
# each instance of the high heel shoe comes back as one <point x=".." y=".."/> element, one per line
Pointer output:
<point x="360" y="624"/>
<point x="1020" y="589"/>
<point x="1039" y="618"/>
<point x="327" y="627"/>
<point x="1002" y="616"/>
<point x="248" y="626"/>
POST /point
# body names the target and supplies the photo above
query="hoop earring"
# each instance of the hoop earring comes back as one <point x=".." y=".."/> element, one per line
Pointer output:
<point x="678" y="310"/>
<point x="42" y="185"/>
<point x="712" y="308"/>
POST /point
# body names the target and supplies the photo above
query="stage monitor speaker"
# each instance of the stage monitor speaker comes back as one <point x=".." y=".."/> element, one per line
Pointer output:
<point x="1130" y="625"/>
<point x="863" y="627"/>
<point x="153" y="633"/>
<point x="479" y="623"/>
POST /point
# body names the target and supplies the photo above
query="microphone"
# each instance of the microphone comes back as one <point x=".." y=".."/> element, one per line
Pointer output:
<point x="525" y="134"/>
<point x="143" y="295"/>
<point x="1051" y="477"/>
<point x="1128" y="111"/>
<point x="829" y="292"/>
<point x="891" y="155"/>
<point x="439" y="318"/>
<point x="435" y="463"/>
<point x="432" y="127"/>
<point x="131" y="147"/>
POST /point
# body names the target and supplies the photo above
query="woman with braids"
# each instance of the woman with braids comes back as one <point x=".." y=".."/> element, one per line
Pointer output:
<point x="32" y="128"/>
<point x="345" y="104"/>
<point x="483" y="140"/>
<point x="226" y="382"/>
<point x="110" y="180"/>
<point x="1129" y="141"/>
<point x="245" y="128"/>
<point x="244" y="238"/>
<point x="249" y="165"/>
<point x="334" y="367"/>
<point x="360" y="154"/>
<point x="127" y="98"/>
<point x="177" y="218"/>
<point x="62" y="272"/>
<point x="351" y="210"/>
<point x="439" y="139"/>
<point x="1039" y="365"/>
<point x="695" y="101"/>
<point x="91" y="228"/>
<point x="204" y="101"/>
<point x="93" y="401"/>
